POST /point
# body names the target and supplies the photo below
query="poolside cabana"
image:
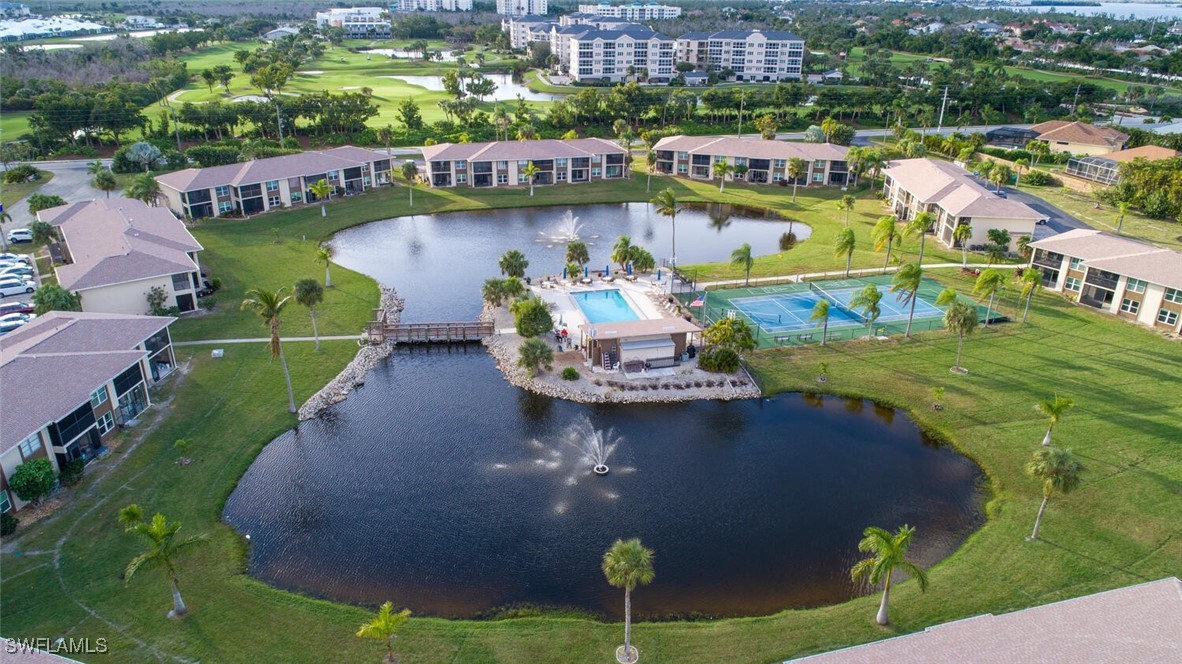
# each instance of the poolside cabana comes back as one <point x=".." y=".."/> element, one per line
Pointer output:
<point x="637" y="344"/>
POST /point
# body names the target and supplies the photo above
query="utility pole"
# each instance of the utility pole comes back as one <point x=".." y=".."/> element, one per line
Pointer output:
<point x="943" y="105"/>
<point x="742" y="100"/>
<point x="176" y="127"/>
<point x="279" y="121"/>
<point x="1075" y="102"/>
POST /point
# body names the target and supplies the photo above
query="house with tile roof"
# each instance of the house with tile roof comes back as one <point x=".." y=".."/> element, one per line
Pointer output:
<point x="116" y="250"/>
<point x="1126" y="278"/>
<point x="765" y="161"/>
<point x="1105" y="169"/>
<point x="954" y="198"/>
<point x="502" y="163"/>
<point x="751" y="55"/>
<point x="1080" y="137"/>
<point x="262" y="185"/>
<point x="69" y="379"/>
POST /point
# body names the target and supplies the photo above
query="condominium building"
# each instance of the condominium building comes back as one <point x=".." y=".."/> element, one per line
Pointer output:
<point x="357" y="22"/>
<point x="68" y="380"/>
<point x="581" y="24"/>
<point x="524" y="30"/>
<point x="759" y="161"/>
<point x="116" y="250"/>
<point x="503" y="163"/>
<point x="262" y="185"/>
<point x="634" y="53"/>
<point x="1123" y="277"/>
<point x="633" y="11"/>
<point x="431" y="6"/>
<point x="954" y="198"/>
<point x="523" y="7"/>
<point x="751" y="55"/>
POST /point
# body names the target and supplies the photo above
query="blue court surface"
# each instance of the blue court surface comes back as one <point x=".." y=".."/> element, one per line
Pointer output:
<point x="777" y="313"/>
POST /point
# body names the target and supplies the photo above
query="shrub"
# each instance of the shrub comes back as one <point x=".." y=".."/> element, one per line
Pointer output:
<point x="72" y="472"/>
<point x="8" y="524"/>
<point x="21" y="173"/>
<point x="532" y="317"/>
<point x="156" y="298"/>
<point x="719" y="360"/>
<point x="1038" y="179"/>
<point x="33" y="480"/>
<point x="39" y="202"/>
<point x="570" y="373"/>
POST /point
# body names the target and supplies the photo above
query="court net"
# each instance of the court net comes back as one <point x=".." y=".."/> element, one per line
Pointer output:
<point x="835" y="302"/>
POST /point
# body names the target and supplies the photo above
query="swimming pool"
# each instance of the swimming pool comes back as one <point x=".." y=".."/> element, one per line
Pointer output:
<point x="604" y="306"/>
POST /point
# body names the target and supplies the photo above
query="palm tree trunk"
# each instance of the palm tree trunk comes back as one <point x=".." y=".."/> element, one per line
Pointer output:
<point x="627" y="623"/>
<point x="882" y="618"/>
<point x="887" y="262"/>
<point x="673" y="223"/>
<point x="1026" y="309"/>
<point x="748" y="276"/>
<point x="722" y="184"/>
<point x="315" y="333"/>
<point x="989" y="309"/>
<point x="531" y="187"/>
<point x="323" y="212"/>
<point x="848" y="259"/>
<point x="327" y="277"/>
<point x="411" y="188"/>
<point x="178" y="605"/>
<point x="825" y="331"/>
<point x="911" y="313"/>
<point x="291" y="407"/>
<point x="959" y="346"/>
<point x="1038" y="519"/>
<point x="1046" y="440"/>
<point x="923" y="236"/>
<point x="794" y="183"/>
<point x="648" y="184"/>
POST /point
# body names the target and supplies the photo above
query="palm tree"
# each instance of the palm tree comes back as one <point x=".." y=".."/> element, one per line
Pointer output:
<point x="105" y="180"/>
<point x="1000" y="173"/>
<point x="513" y="263"/>
<point x="1054" y="409"/>
<point x="576" y="252"/>
<point x="846" y="203"/>
<point x="821" y="315"/>
<point x="410" y="171"/>
<point x="95" y="167"/>
<point x="622" y="252"/>
<point x="843" y="246"/>
<point x="386" y="135"/>
<point x="310" y="293"/>
<point x="626" y="565"/>
<point x="534" y="353"/>
<point x="1030" y="283"/>
<point x="650" y="159"/>
<point x="796" y="168"/>
<point x="1124" y="208"/>
<point x="885" y="233"/>
<point x="742" y="256"/>
<point x="324" y="257"/>
<point x="1058" y="470"/>
<point x="269" y="305"/>
<point x="962" y="234"/>
<point x="888" y="552"/>
<point x="163" y="548"/>
<point x="908" y="280"/>
<point x="666" y="205"/>
<point x="919" y="226"/>
<point x="867" y="300"/>
<point x="383" y="626"/>
<point x="144" y="188"/>
<point x="529" y="172"/>
<point x="961" y="318"/>
<point x="990" y="282"/>
<point x="721" y="169"/>
<point x="322" y="191"/>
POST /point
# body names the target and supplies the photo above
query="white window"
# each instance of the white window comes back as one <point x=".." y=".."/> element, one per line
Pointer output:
<point x="461" y="178"/>
<point x="683" y="155"/>
<point x="595" y="172"/>
<point x="682" y="168"/>
<point x="781" y="163"/>
<point x="1173" y="295"/>
<point x="818" y="177"/>
<point x="562" y="176"/>
<point x="106" y="423"/>
<point x="502" y="178"/>
<point x="99" y="397"/>
<point x="522" y="163"/>
<point x="461" y="165"/>
<point x="225" y="206"/>
<point x="273" y="185"/>
<point x="1073" y="284"/>
<point x="4" y="504"/>
<point x="223" y="191"/>
<point x="274" y="201"/>
<point x="1135" y="286"/>
<point x="1129" y="306"/>
<point x="1076" y="263"/>
<point x="777" y="176"/>
<point x="503" y="164"/>
<point x="1168" y="317"/>
<point x="521" y="177"/>
<point x="30" y="445"/>
<point x="561" y="162"/>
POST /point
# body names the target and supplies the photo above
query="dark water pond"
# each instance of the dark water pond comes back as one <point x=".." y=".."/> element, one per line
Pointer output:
<point x="438" y="262"/>
<point x="442" y="488"/>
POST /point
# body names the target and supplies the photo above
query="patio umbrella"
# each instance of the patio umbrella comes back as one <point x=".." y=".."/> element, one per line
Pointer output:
<point x="607" y="270"/>
<point x="585" y="272"/>
<point x="629" y="269"/>
<point x="564" y="274"/>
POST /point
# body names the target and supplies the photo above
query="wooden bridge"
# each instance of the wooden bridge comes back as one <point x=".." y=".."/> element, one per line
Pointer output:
<point x="380" y="330"/>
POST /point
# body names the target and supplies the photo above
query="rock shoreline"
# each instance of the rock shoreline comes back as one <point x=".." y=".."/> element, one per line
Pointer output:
<point x="353" y="375"/>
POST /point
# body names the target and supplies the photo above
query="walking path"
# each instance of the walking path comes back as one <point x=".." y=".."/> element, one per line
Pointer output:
<point x="264" y="340"/>
<point x="798" y="278"/>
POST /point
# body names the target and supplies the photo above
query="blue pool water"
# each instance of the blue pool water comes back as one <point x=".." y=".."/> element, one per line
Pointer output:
<point x="604" y="306"/>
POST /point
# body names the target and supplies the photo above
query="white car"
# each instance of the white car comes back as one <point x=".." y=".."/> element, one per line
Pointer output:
<point x="22" y="271"/>
<point x="16" y="258"/>
<point x="19" y="235"/>
<point x="9" y="287"/>
<point x="12" y="318"/>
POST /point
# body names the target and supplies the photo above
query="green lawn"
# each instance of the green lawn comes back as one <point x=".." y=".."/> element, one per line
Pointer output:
<point x="14" y="124"/>
<point x="1162" y="232"/>
<point x="11" y="193"/>
<point x="1123" y="526"/>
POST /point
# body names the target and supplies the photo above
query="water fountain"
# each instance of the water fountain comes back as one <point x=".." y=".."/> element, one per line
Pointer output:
<point x="566" y="230"/>
<point x="595" y="445"/>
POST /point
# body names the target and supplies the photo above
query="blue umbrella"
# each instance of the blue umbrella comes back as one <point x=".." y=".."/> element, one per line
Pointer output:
<point x="564" y="274"/>
<point x="629" y="269"/>
<point x="585" y="272"/>
<point x="607" y="270"/>
<point x="658" y="274"/>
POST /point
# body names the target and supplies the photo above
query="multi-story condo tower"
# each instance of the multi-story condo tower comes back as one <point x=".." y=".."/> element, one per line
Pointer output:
<point x="633" y="11"/>
<point x="522" y="7"/>
<point x="751" y="55"/>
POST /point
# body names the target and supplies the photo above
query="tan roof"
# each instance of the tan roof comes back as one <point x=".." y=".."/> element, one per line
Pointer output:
<point x="312" y="162"/>
<point x="943" y="183"/>
<point x="1120" y="255"/>
<point x="1080" y="132"/>
<point x="639" y="328"/>
<point x="752" y="148"/>
<point x="49" y="366"/>
<point x="515" y="150"/>
<point x="1147" y="152"/>
<point x="113" y="241"/>
<point x="1141" y="623"/>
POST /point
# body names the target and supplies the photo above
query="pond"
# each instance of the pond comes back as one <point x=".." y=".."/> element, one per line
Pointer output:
<point x="507" y="88"/>
<point x="438" y="262"/>
<point x="439" y="486"/>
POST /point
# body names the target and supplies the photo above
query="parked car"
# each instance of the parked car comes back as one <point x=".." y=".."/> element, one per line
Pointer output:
<point x="24" y="318"/>
<point x="16" y="308"/>
<point x="9" y="287"/>
<point x="17" y="258"/>
<point x="9" y="326"/>
<point x="19" y="235"/>
<point x="22" y="271"/>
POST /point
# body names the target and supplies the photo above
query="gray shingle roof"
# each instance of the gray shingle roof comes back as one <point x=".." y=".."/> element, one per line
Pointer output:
<point x="311" y="162"/>
<point x="751" y="148"/>
<point x="517" y="150"/>
<point x="1118" y="254"/>
<point x="952" y="188"/>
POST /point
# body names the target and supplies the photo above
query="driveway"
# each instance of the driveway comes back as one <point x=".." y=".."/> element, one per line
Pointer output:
<point x="70" y="180"/>
<point x="1058" y="221"/>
